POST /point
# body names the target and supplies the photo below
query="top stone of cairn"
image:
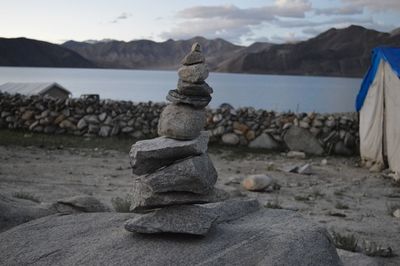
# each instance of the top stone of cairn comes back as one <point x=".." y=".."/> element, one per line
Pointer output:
<point x="194" y="57"/>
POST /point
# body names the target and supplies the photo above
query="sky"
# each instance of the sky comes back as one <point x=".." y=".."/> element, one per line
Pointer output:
<point x="241" y="22"/>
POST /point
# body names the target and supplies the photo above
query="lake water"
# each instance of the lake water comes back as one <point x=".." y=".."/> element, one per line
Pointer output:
<point x="271" y="92"/>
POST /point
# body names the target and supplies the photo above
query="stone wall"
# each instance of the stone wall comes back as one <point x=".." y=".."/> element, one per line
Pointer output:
<point x="336" y="133"/>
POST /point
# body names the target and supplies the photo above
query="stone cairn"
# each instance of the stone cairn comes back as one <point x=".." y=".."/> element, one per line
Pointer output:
<point x="174" y="171"/>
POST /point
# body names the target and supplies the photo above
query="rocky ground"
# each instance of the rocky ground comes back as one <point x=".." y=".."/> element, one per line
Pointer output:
<point x="338" y="194"/>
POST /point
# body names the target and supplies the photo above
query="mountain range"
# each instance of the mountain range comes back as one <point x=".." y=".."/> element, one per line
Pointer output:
<point x="336" y="52"/>
<point x="33" y="53"/>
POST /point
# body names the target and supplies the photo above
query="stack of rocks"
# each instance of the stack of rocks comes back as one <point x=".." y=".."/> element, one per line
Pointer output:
<point x="174" y="169"/>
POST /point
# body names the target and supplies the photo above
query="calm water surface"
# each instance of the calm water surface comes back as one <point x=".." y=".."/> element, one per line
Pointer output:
<point x="271" y="92"/>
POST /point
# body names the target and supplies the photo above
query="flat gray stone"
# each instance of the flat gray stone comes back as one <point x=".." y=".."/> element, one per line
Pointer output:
<point x="196" y="101"/>
<point x="191" y="89"/>
<point x="264" y="141"/>
<point x="181" y="122"/>
<point x="14" y="211"/>
<point x="194" y="57"/>
<point x="233" y="209"/>
<point x="149" y="155"/>
<point x="267" y="237"/>
<point x="144" y="198"/>
<point x="81" y="203"/>
<point x="184" y="219"/>
<point x="300" y="139"/>
<point x="194" y="73"/>
<point x="195" y="174"/>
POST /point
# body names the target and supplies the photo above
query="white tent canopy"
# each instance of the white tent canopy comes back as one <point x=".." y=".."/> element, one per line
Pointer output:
<point x="379" y="104"/>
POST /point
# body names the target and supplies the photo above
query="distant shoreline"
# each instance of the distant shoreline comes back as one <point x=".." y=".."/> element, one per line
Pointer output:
<point x="174" y="70"/>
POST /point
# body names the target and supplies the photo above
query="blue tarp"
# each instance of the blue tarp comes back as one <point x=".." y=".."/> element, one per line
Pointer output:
<point x="390" y="55"/>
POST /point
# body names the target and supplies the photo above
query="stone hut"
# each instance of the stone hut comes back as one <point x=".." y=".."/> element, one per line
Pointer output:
<point x="50" y="89"/>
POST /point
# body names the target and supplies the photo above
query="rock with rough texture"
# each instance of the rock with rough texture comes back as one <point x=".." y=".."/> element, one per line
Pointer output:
<point x="300" y="139"/>
<point x="257" y="182"/>
<point x="80" y="203"/>
<point x="230" y="139"/>
<point x="192" y="89"/>
<point x="181" y="122"/>
<point x="185" y="219"/>
<point x="143" y="198"/>
<point x="233" y="209"/>
<point x="266" y="237"/>
<point x="357" y="259"/>
<point x="150" y="155"/>
<point x="264" y="141"/>
<point x="194" y="57"/>
<point x="194" y="73"/>
<point x="14" y="211"/>
<point x="195" y="174"/>
<point x="196" y="101"/>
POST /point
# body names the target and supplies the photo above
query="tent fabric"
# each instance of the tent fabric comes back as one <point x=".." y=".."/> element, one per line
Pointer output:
<point x="388" y="54"/>
<point x="371" y="121"/>
<point x="30" y="88"/>
<point x="392" y="117"/>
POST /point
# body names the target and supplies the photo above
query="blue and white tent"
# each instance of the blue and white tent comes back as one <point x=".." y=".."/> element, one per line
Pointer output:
<point x="378" y="102"/>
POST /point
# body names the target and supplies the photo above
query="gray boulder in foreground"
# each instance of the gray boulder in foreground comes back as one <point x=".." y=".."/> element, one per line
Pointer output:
<point x="150" y="155"/>
<point x="14" y="211"/>
<point x="196" y="174"/>
<point x="266" y="237"/>
<point x="300" y="139"/>
<point x="182" y="219"/>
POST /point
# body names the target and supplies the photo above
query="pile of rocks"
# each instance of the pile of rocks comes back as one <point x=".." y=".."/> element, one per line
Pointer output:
<point x="246" y="126"/>
<point x="174" y="169"/>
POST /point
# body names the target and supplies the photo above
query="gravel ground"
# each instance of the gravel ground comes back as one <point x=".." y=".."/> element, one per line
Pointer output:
<point x="339" y="195"/>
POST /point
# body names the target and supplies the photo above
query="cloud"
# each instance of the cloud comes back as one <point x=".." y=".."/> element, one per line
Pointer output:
<point x="345" y="10"/>
<point x="312" y="31"/>
<point x="290" y="37"/>
<point x="332" y="22"/>
<point x="123" y="16"/>
<point x="232" y="22"/>
<point x="376" y="5"/>
<point x="258" y="39"/>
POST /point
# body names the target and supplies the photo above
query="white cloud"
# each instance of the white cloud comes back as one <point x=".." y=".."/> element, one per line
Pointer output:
<point x="244" y="24"/>
<point x="290" y="37"/>
<point x="345" y="10"/>
<point x="230" y="21"/>
<point x="332" y="22"/>
<point x="376" y="5"/>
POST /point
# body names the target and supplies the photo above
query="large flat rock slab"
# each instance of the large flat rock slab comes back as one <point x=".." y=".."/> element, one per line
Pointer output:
<point x="267" y="237"/>
<point x="182" y="219"/>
